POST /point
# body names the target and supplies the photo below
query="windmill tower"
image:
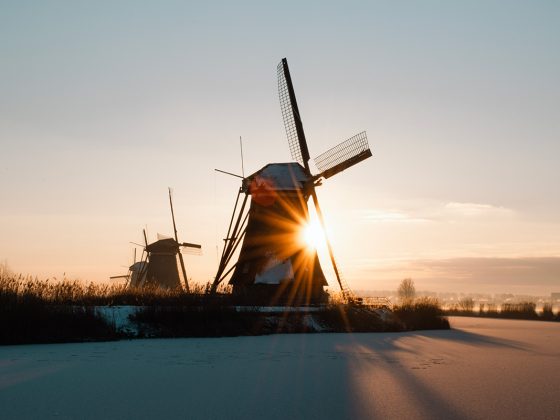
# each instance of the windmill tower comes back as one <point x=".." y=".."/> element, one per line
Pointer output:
<point x="273" y="262"/>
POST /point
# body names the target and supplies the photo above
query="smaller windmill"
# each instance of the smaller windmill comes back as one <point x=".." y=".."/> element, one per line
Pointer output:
<point x="158" y="264"/>
<point x="272" y="262"/>
<point x="130" y="277"/>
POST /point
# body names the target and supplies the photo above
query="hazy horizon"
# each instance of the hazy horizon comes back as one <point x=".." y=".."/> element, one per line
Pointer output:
<point x="105" y="105"/>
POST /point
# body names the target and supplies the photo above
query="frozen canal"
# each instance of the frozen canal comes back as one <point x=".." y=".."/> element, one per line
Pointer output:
<point x="481" y="369"/>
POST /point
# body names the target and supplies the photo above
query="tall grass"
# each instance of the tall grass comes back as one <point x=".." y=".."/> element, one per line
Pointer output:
<point x="33" y="311"/>
<point x="44" y="311"/>
<point x="18" y="289"/>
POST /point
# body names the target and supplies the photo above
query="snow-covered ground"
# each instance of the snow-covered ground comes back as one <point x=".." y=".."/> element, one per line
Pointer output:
<point x="483" y="368"/>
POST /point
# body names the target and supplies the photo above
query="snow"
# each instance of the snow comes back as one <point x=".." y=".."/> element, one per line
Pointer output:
<point x="312" y="325"/>
<point x="483" y="368"/>
<point x="119" y="316"/>
<point x="275" y="272"/>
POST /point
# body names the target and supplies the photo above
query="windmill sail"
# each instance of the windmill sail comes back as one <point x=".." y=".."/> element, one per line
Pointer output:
<point x="190" y="249"/>
<point x="291" y="116"/>
<point x="183" y="270"/>
<point x="341" y="157"/>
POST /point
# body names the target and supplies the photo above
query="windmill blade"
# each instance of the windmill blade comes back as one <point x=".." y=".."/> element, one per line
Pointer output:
<point x="181" y="261"/>
<point x="291" y="116"/>
<point x="333" y="161"/>
<point x="341" y="157"/>
<point x="191" y="251"/>
<point x="346" y="292"/>
<point x="189" y="245"/>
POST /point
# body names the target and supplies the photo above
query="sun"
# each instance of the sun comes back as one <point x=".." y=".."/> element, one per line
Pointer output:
<point x="312" y="235"/>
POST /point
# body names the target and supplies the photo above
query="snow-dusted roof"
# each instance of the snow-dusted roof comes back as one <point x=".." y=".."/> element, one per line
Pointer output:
<point x="283" y="176"/>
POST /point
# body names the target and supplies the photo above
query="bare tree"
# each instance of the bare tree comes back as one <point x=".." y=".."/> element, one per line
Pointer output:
<point x="466" y="304"/>
<point x="406" y="290"/>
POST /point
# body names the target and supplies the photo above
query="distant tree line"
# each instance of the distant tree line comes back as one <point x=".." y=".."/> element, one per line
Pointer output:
<point x="510" y="310"/>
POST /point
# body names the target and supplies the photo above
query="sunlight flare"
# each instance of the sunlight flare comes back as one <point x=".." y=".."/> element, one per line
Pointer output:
<point x="312" y="235"/>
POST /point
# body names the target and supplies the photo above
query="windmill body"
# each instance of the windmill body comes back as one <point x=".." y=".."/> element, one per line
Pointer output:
<point x="273" y="261"/>
<point x="137" y="272"/>
<point x="162" y="270"/>
<point x="157" y="267"/>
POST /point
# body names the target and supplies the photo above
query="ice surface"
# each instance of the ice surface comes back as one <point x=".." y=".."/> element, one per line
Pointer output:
<point x="482" y="369"/>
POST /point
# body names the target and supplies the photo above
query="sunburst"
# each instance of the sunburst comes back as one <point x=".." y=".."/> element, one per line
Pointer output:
<point x="312" y="235"/>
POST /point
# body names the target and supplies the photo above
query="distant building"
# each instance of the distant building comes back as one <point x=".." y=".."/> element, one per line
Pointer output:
<point x="555" y="297"/>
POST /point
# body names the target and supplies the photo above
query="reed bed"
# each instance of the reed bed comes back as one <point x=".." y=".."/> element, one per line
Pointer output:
<point x="19" y="289"/>
<point x="51" y="310"/>
<point x="421" y="313"/>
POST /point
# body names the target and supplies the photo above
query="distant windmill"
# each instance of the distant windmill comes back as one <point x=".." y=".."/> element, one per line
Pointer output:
<point x="131" y="270"/>
<point x="272" y="262"/>
<point x="158" y="264"/>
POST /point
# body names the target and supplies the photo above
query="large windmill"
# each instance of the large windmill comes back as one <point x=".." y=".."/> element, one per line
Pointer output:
<point x="273" y="262"/>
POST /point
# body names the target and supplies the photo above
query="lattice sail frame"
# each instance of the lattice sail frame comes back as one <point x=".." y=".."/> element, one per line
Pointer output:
<point x="288" y="116"/>
<point x="345" y="151"/>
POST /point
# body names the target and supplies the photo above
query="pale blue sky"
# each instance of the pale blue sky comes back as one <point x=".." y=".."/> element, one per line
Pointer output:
<point x="105" y="104"/>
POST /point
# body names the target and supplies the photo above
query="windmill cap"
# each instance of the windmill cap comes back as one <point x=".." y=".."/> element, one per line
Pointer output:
<point x="289" y="176"/>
